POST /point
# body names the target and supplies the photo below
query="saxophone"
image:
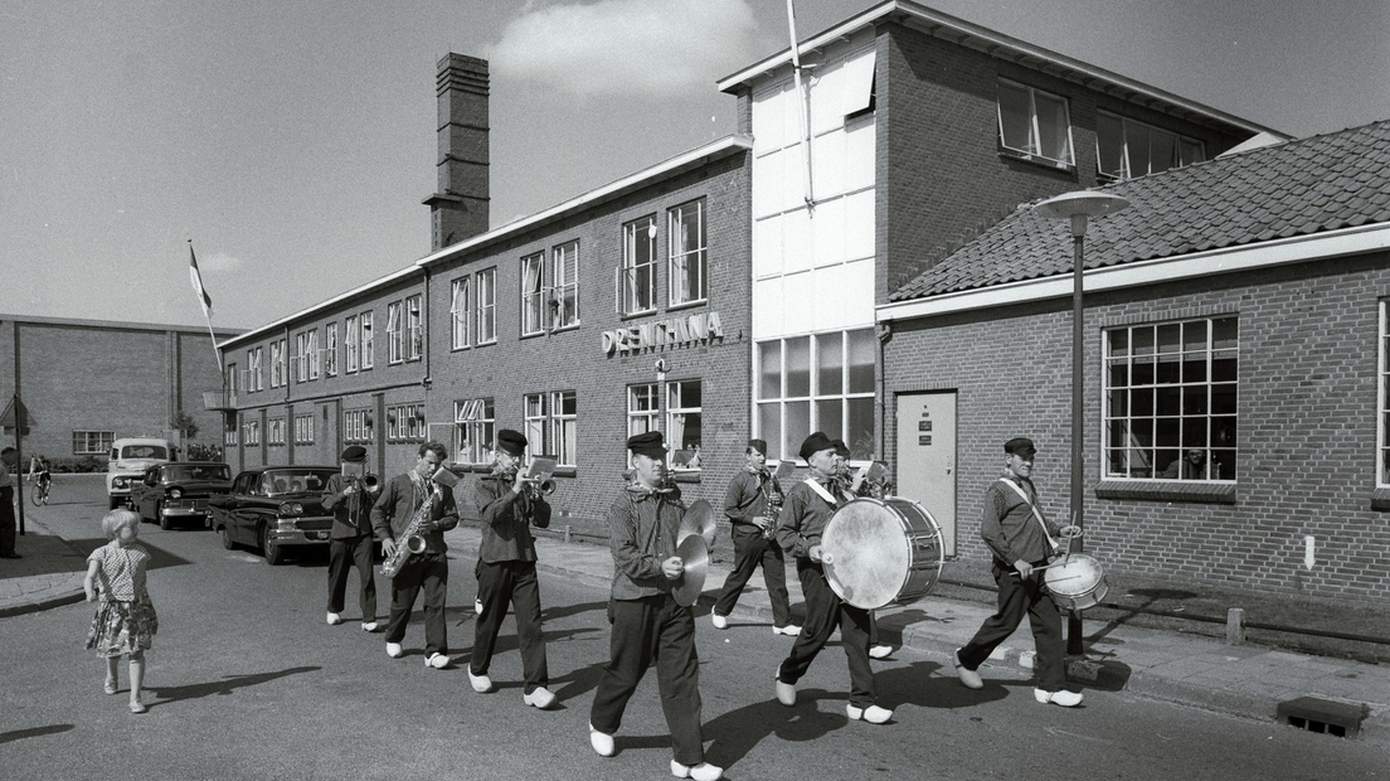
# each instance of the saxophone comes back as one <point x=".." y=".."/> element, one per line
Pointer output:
<point x="772" y="501"/>
<point x="412" y="538"/>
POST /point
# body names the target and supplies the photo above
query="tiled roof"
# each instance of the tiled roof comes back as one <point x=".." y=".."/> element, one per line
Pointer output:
<point x="1296" y="188"/>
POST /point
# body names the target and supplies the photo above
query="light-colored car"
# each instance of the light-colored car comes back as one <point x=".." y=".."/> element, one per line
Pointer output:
<point x="130" y="457"/>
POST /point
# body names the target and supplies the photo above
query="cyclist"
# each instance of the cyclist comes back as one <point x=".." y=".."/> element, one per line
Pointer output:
<point x="41" y="475"/>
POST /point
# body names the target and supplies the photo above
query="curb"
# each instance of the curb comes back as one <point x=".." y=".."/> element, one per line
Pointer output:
<point x="65" y="598"/>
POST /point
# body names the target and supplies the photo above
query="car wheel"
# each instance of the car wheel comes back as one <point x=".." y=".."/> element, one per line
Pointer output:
<point x="164" y="522"/>
<point x="227" y="538"/>
<point x="272" y="551"/>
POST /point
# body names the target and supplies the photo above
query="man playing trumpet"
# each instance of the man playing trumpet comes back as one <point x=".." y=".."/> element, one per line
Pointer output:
<point x="508" y="507"/>
<point x="751" y="504"/>
<point x="648" y="625"/>
<point x="350" y="498"/>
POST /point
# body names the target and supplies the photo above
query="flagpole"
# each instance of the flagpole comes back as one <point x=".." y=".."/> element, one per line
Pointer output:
<point x="216" y="352"/>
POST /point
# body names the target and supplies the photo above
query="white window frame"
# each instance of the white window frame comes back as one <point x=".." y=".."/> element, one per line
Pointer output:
<point x="485" y="295"/>
<point x="368" y="358"/>
<point x="1034" y="132"/>
<point x="231" y="437"/>
<point x="460" y="302"/>
<point x="330" y="350"/>
<point x="414" y="329"/>
<point x="352" y="334"/>
<point x="103" y="440"/>
<point x="304" y="429"/>
<point x="278" y="365"/>
<point x="356" y="427"/>
<point x="474" y="428"/>
<point x="1125" y="124"/>
<point x="394" y="344"/>
<point x="275" y="432"/>
<point x="561" y="285"/>
<point x="534" y="294"/>
<point x="625" y="277"/>
<point x="676" y="406"/>
<point x="545" y="426"/>
<point x="251" y="434"/>
<point x="787" y="450"/>
<point x="315" y="364"/>
<point x="678" y="256"/>
<point x="1382" y="395"/>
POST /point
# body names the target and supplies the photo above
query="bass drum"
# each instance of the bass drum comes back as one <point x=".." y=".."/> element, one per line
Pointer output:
<point x="1076" y="582"/>
<point x="882" y="552"/>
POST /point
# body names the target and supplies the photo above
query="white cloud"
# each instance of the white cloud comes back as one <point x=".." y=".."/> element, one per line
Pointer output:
<point x="626" y="46"/>
<point x="219" y="262"/>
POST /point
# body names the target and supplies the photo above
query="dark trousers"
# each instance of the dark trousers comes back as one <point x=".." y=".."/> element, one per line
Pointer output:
<point x="1018" y="596"/>
<point x="825" y="611"/>
<point x="646" y="630"/>
<point x="342" y="555"/>
<point x="750" y="550"/>
<point x="7" y="521"/>
<point x="428" y="571"/>
<point x="514" y="582"/>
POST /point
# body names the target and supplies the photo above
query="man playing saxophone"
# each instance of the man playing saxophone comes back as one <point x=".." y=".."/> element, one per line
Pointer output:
<point x="393" y="512"/>
<point x="508" y="507"/>
<point x="751" y="504"/>
<point x="349" y="496"/>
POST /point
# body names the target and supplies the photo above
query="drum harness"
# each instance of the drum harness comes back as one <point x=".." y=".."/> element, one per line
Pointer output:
<point x="1037" y="514"/>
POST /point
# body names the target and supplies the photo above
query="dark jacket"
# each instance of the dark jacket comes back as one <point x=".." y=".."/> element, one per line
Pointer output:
<point x="507" y="520"/>
<point x="396" y="507"/>
<point x="352" y="515"/>
<point x="642" y="533"/>
<point x="1008" y="526"/>
<point x="745" y="501"/>
<point x="804" y="516"/>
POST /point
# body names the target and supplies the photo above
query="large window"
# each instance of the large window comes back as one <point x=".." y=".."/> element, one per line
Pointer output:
<point x="394" y="330"/>
<point x="636" y="279"/>
<point x="353" y="332"/>
<point x="1170" y="400"/>
<point x="564" y="285"/>
<point x="306" y="359"/>
<point x="414" y="330"/>
<point x="275" y="434"/>
<point x="405" y="423"/>
<point x="533" y="294"/>
<point x="368" y="341"/>
<point x="643" y="408"/>
<point x="1126" y="148"/>
<point x="552" y="425"/>
<point x="91" y="443"/>
<point x="357" y="425"/>
<point x="251" y="433"/>
<point x="473" y="431"/>
<point x="459" y="313"/>
<point x="823" y="382"/>
<point x="485" y="288"/>
<point x="683" y="424"/>
<point x="686" y="263"/>
<point x="330" y="350"/>
<point x="304" y="429"/>
<point x="1034" y="124"/>
<point x="254" y="378"/>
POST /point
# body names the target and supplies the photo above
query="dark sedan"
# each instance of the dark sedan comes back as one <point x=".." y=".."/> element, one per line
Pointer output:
<point x="179" y="491"/>
<point x="277" y="509"/>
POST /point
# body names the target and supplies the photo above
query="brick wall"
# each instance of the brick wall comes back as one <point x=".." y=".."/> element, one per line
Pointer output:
<point x="1306" y="412"/>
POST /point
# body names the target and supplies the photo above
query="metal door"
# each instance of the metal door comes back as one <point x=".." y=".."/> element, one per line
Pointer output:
<point x="926" y="469"/>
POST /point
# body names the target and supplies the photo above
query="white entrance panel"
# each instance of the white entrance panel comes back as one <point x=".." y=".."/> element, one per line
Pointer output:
<point x="927" y="457"/>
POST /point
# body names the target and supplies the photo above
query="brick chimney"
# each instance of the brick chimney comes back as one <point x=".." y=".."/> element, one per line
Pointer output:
<point x="459" y="207"/>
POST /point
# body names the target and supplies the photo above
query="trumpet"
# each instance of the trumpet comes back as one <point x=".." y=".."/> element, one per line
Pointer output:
<point x="534" y="487"/>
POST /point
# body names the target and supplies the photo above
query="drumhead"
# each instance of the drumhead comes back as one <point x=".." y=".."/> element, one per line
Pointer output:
<point x="1078" y="575"/>
<point x="870" y="553"/>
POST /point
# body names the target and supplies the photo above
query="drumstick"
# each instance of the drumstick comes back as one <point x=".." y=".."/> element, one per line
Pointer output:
<point x="826" y="558"/>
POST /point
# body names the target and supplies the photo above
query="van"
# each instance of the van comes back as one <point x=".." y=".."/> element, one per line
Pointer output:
<point x="130" y="457"/>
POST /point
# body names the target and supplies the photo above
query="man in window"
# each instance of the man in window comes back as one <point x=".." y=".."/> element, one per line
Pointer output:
<point x="751" y="503"/>
<point x="1192" y="466"/>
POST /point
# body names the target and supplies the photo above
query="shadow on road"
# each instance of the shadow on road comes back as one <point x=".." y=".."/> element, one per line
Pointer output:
<point x="229" y="684"/>
<point x="924" y="685"/>
<point x="578" y="682"/>
<point x="33" y="732"/>
<point x="737" y="732"/>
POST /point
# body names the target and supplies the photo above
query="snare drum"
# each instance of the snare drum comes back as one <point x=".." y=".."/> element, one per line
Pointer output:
<point x="1076" y="582"/>
<point x="882" y="552"/>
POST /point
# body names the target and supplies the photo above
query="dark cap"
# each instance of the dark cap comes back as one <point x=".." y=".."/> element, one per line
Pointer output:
<point x="815" y="443"/>
<point x="513" y="443"/>
<point x="647" y="444"/>
<point x="354" y="453"/>
<point x="1020" y="446"/>
<point x="759" y="445"/>
<point x="841" y="449"/>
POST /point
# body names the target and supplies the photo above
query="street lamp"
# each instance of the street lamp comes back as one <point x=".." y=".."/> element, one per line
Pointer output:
<point x="1078" y="207"/>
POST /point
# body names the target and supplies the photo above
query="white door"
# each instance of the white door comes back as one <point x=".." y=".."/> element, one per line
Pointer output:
<point x="927" y="457"/>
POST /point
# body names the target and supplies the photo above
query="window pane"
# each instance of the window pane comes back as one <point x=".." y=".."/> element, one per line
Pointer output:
<point x="1109" y="146"/>
<point x="1054" y="142"/>
<point x="1118" y="433"/>
<point x="770" y="428"/>
<point x="1194" y="335"/>
<point x="1142" y="372"/>
<point x="1194" y="432"/>
<point x="1141" y="402"/>
<point x="1119" y="373"/>
<point x="1223" y="333"/>
<point x="1194" y="369"/>
<point x="861" y="361"/>
<point x="860" y="431"/>
<point x="798" y="367"/>
<point x="1137" y="145"/>
<point x="1223" y="464"/>
<point x="1013" y="117"/>
<point x="1223" y="399"/>
<point x="1143" y="339"/>
<point x="830" y="364"/>
<point x="1166" y="432"/>
<point x="1169" y="400"/>
<point x="1223" y="432"/>
<point x="1119" y="404"/>
<point x="1169" y="338"/>
<point x="1169" y="368"/>
<point x="1119" y="342"/>
<point x="1194" y="400"/>
<point x="770" y="371"/>
<point x="798" y="425"/>
<point x="1223" y="366"/>
<point x="1162" y="150"/>
<point x="1191" y="152"/>
<point x="1117" y="464"/>
<point x="830" y="418"/>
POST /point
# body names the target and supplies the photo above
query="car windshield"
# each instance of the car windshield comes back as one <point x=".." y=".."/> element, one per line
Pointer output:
<point x="200" y="472"/>
<point x="143" y="451"/>
<point x="288" y="481"/>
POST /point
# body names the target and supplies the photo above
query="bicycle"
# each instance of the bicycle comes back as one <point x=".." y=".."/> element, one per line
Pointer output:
<point x="42" y="486"/>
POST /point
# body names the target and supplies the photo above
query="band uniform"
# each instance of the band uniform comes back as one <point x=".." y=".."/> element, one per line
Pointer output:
<point x="753" y="528"/>
<point x="350" y="540"/>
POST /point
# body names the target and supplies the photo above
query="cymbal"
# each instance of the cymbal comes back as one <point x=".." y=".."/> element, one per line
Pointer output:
<point x="698" y="519"/>
<point x="695" y="553"/>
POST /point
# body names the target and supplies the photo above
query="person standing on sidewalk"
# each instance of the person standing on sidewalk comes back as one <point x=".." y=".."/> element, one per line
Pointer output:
<point x="648" y="625"/>
<point x="508" y="507"/>
<point x="754" y="530"/>
<point x="809" y="507"/>
<point x="349" y="496"/>
<point x="9" y="458"/>
<point x="1021" y="539"/>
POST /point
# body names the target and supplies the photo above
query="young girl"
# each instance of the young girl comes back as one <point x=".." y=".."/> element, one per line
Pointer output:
<point x="125" y="621"/>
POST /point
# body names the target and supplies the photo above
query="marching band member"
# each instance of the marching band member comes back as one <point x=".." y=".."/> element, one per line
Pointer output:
<point x="392" y="513"/>
<point x="843" y="471"/>
<point x="1021" y="539"/>
<point x="508" y="508"/>
<point x="350" y="500"/>
<point x="648" y="625"/>
<point x="746" y="503"/>
<point x="807" y="510"/>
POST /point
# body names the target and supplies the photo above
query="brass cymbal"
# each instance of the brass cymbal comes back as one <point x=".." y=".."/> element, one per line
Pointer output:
<point x="698" y="519"/>
<point x="695" y="553"/>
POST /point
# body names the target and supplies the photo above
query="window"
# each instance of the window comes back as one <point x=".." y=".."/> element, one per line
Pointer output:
<point x="330" y="350"/>
<point x="277" y="364"/>
<point x="686" y="268"/>
<point x="823" y="382"/>
<point x="231" y="380"/>
<point x="552" y="425"/>
<point x="405" y="423"/>
<point x="473" y="431"/>
<point x="92" y="443"/>
<point x="1034" y="124"/>
<point x="1169" y="404"/>
<point x="230" y="436"/>
<point x="485" y="287"/>
<point x="564" y="285"/>
<point x="533" y="294"/>
<point x="357" y="426"/>
<point x="414" y="330"/>
<point x="254" y="378"/>
<point x="1383" y="419"/>
<point x="251" y="432"/>
<point x="643" y="409"/>
<point x="636" y="280"/>
<point x="306" y="359"/>
<point x="459" y="313"/>
<point x="304" y="429"/>
<point x="1126" y="148"/>
<point x="315" y="363"/>
<point x="275" y="434"/>
<point x="354" y="341"/>
<point x="393" y="332"/>
<point x="368" y="343"/>
<point x="683" y="424"/>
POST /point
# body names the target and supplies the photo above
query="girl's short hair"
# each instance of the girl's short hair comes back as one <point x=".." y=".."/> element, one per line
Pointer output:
<point x="112" y="522"/>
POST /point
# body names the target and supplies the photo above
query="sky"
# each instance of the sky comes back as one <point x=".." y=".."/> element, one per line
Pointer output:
<point x="293" y="142"/>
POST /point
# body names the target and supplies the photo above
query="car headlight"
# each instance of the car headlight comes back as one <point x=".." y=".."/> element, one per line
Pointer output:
<point x="119" y="482"/>
<point x="291" y="508"/>
<point x="175" y="493"/>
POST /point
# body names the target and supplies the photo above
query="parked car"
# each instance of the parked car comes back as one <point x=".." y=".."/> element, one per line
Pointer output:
<point x="179" y="491"/>
<point x="277" y="509"/>
<point x="130" y="457"/>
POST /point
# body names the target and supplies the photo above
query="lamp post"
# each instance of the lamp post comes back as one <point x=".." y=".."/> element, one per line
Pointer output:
<point x="1078" y="207"/>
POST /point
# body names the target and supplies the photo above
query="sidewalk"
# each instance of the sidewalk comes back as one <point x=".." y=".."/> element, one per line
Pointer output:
<point x="1244" y="680"/>
<point x="50" y="574"/>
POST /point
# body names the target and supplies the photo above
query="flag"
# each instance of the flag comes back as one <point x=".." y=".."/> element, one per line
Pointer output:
<point x="203" y="298"/>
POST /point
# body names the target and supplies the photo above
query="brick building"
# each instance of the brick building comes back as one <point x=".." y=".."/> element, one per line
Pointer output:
<point x="1235" y="367"/>
<point x="87" y="382"/>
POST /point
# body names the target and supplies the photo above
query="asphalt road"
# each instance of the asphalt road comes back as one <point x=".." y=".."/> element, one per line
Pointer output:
<point x="246" y="681"/>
